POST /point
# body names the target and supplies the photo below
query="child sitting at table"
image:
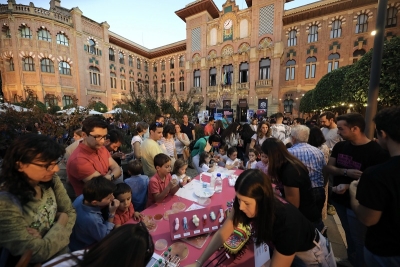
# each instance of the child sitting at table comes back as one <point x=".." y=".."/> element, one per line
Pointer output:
<point x="204" y="162"/>
<point x="90" y="226"/>
<point x="221" y="156"/>
<point x="262" y="165"/>
<point x="233" y="162"/>
<point x="161" y="184"/>
<point x="179" y="171"/>
<point x="253" y="155"/>
<point x="138" y="183"/>
<point x="125" y="211"/>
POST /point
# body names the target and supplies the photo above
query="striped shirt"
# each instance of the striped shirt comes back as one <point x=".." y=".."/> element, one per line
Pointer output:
<point x="314" y="160"/>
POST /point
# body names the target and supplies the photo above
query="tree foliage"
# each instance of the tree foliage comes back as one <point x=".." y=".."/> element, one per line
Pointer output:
<point x="357" y="79"/>
<point x="306" y="102"/>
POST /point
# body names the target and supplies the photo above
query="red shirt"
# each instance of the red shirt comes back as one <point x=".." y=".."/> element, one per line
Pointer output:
<point x="83" y="162"/>
<point x="122" y="217"/>
<point x="208" y="129"/>
<point x="156" y="186"/>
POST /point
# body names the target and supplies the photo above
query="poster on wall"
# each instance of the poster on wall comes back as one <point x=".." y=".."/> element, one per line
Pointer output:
<point x="250" y="113"/>
<point x="227" y="112"/>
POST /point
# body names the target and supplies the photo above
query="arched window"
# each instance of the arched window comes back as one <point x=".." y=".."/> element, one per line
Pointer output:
<point x="362" y="23"/>
<point x="313" y="34"/>
<point x="28" y="64"/>
<point x="163" y="86"/>
<point x="181" y="62"/>
<point x="265" y="69"/>
<point x="46" y="65"/>
<point x="292" y="39"/>
<point x="358" y="54"/>
<point x="290" y="70"/>
<point x="131" y="83"/>
<point x="138" y="63"/>
<point x="213" y="77"/>
<point x="111" y="55"/>
<point x="391" y="18"/>
<point x="146" y="66"/>
<point x="155" y="67"/>
<point x="50" y="100"/>
<point x="130" y="61"/>
<point x="67" y="100"/>
<point x="94" y="74"/>
<point x="123" y="82"/>
<point x="155" y="87"/>
<point x="11" y="64"/>
<point x="121" y="58"/>
<point x="172" y="84"/>
<point x="243" y="72"/>
<point x="333" y="62"/>
<point x="171" y="63"/>
<point x="311" y="66"/>
<point x="25" y="32"/>
<point x="288" y="105"/>
<point x="181" y="84"/>
<point x="196" y="80"/>
<point x="163" y="65"/>
<point x="113" y="80"/>
<point x="92" y="47"/>
<point x="62" y="39"/>
<point x="64" y="68"/>
<point x="336" y="30"/>
<point x="44" y="35"/>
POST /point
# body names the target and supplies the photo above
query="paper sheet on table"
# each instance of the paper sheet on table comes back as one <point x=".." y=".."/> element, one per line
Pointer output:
<point x="187" y="192"/>
<point x="194" y="206"/>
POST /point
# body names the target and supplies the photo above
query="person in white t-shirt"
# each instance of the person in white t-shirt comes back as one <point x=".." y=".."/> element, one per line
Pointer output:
<point x="281" y="131"/>
<point x="233" y="162"/>
<point x="253" y="154"/>
<point x="329" y="129"/>
<point x="204" y="162"/>
<point x="141" y="129"/>
<point x="263" y="132"/>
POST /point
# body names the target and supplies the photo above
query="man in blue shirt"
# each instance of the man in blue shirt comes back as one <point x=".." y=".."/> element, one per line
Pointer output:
<point x="90" y="226"/>
<point x="314" y="160"/>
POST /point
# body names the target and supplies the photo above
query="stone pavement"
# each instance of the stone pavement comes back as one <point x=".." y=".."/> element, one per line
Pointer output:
<point x="335" y="231"/>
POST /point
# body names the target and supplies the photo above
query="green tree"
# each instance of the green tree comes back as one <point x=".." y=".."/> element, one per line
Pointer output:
<point x="307" y="103"/>
<point x="357" y="79"/>
<point x="98" y="106"/>
<point x="328" y="91"/>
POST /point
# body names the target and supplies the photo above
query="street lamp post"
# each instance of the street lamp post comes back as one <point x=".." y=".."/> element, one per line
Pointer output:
<point x="373" y="91"/>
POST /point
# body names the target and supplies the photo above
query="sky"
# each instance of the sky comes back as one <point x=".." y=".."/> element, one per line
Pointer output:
<point x="150" y="23"/>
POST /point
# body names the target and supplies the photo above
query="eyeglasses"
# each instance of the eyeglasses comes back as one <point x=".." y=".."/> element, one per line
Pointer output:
<point x="99" y="137"/>
<point x="49" y="166"/>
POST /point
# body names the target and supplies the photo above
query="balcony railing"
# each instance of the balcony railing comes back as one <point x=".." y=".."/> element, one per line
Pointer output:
<point x="242" y="86"/>
<point x="196" y="90"/>
<point x="212" y="89"/>
<point x="263" y="83"/>
<point x="37" y="11"/>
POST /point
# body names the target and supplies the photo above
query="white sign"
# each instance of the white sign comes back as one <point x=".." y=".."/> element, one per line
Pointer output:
<point x="177" y="236"/>
<point x="215" y="227"/>
<point x="261" y="254"/>
<point x="186" y="234"/>
<point x="196" y="232"/>
<point x="206" y="229"/>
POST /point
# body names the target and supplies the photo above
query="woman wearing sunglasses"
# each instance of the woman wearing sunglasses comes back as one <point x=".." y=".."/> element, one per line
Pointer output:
<point x="35" y="211"/>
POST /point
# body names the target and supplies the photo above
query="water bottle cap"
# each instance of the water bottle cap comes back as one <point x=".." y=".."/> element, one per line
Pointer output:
<point x="218" y="174"/>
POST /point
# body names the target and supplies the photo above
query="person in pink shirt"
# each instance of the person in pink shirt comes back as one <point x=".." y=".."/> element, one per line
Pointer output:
<point x="161" y="184"/>
<point x="209" y="128"/>
<point x="125" y="211"/>
<point x="91" y="158"/>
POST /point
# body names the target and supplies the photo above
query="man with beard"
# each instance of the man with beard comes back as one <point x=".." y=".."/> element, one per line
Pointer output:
<point x="91" y="158"/>
<point x="348" y="160"/>
<point x="329" y="129"/>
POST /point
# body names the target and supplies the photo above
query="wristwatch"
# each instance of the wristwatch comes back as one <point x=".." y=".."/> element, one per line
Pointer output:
<point x="345" y="172"/>
<point x="110" y="215"/>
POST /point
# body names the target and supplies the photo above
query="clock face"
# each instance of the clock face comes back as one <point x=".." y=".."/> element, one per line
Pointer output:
<point x="228" y="24"/>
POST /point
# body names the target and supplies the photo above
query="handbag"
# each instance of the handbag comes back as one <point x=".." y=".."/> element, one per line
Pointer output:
<point x="186" y="153"/>
<point x="237" y="239"/>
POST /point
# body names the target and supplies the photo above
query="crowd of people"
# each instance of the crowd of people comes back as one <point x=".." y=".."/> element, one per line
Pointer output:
<point x="294" y="174"/>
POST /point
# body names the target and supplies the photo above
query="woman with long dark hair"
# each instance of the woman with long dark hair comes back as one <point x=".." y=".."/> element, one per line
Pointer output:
<point x="128" y="245"/>
<point x="35" y="211"/>
<point x="263" y="132"/>
<point x="230" y="135"/>
<point x="273" y="221"/>
<point x="291" y="177"/>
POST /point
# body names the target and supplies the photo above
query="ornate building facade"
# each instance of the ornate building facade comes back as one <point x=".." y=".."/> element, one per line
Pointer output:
<point x="260" y="57"/>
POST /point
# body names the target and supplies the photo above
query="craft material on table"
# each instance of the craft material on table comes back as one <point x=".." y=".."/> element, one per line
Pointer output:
<point x="196" y="241"/>
<point x="167" y="213"/>
<point x="180" y="250"/>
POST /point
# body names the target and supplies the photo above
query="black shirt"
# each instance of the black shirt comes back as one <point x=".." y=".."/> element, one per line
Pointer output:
<point x="349" y="156"/>
<point x="291" y="177"/>
<point x="292" y="232"/>
<point x="379" y="189"/>
<point x="188" y="130"/>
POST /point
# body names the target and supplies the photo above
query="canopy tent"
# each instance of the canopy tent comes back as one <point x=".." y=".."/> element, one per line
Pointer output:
<point x="72" y="110"/>
<point x="94" y="112"/>
<point x="118" y="110"/>
<point x="4" y="106"/>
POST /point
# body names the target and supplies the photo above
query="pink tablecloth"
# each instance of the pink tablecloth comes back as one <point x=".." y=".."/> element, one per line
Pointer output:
<point x="163" y="232"/>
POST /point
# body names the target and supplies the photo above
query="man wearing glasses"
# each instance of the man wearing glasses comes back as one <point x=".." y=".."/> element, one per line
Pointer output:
<point x="91" y="158"/>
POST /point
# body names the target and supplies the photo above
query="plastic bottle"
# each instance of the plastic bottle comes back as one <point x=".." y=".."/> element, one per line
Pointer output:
<point x="218" y="183"/>
<point x="212" y="181"/>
